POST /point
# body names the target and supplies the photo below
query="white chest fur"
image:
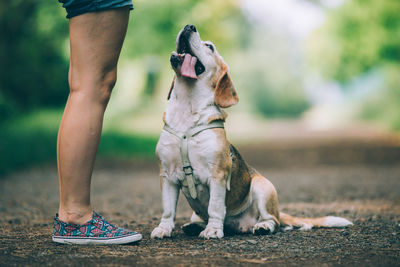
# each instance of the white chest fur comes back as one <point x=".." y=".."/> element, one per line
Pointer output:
<point x="189" y="107"/>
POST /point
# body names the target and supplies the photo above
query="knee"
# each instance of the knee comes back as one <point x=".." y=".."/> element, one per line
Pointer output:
<point x="107" y="84"/>
<point x="95" y="87"/>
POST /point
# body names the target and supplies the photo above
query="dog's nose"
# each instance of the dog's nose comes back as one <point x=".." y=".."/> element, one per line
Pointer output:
<point x="190" y="27"/>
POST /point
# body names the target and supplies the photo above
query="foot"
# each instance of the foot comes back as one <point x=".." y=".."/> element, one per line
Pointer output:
<point x="95" y="231"/>
<point x="212" y="232"/>
<point x="161" y="232"/>
<point x="264" y="228"/>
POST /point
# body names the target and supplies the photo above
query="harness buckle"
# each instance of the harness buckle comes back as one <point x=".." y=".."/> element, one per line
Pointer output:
<point x="188" y="170"/>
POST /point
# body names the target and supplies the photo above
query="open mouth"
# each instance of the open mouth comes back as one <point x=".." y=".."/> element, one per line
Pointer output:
<point x="191" y="65"/>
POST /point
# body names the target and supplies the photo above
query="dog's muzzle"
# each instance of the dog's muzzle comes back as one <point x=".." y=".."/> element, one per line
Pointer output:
<point x="191" y="66"/>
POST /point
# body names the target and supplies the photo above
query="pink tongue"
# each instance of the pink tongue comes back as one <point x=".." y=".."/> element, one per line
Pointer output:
<point x="187" y="69"/>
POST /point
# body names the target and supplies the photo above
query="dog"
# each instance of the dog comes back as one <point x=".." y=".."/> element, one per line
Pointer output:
<point x="226" y="194"/>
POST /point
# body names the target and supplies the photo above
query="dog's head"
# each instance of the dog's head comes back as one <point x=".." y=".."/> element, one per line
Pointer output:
<point x="197" y="61"/>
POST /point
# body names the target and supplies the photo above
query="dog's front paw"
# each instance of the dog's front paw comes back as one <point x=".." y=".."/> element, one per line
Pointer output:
<point x="161" y="232"/>
<point x="212" y="232"/>
<point x="264" y="228"/>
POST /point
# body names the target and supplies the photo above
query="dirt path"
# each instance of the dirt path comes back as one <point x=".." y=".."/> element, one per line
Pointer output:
<point x="356" y="180"/>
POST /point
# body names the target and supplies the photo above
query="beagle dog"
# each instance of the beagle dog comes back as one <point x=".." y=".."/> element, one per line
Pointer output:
<point x="225" y="193"/>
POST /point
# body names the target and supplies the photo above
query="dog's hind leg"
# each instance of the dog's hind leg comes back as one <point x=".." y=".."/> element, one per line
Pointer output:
<point x="266" y="200"/>
<point x="195" y="226"/>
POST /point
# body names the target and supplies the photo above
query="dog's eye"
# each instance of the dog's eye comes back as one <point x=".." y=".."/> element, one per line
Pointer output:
<point x="210" y="46"/>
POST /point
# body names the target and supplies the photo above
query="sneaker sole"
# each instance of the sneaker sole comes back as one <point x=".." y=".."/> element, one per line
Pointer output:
<point x="97" y="240"/>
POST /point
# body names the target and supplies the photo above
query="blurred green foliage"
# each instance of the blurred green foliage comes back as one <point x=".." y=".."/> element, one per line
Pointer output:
<point x="272" y="73"/>
<point x="33" y="69"/>
<point x="34" y="40"/>
<point x="155" y="24"/>
<point x="31" y="139"/>
<point x="357" y="37"/>
<point x="276" y="96"/>
<point x="383" y="105"/>
<point x="287" y="102"/>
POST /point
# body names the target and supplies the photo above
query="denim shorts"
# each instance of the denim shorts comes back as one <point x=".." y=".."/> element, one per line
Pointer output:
<point x="78" y="7"/>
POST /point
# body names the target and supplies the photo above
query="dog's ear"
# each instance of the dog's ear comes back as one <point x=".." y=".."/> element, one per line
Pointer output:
<point x="172" y="87"/>
<point x="225" y="94"/>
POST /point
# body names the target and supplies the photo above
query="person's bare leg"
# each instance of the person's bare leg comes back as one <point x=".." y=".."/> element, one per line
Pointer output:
<point x="96" y="40"/>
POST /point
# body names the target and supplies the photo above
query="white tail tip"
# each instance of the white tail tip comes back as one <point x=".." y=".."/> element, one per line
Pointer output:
<point x="332" y="221"/>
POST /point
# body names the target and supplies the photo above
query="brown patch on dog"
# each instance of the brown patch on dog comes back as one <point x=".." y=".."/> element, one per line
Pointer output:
<point x="271" y="203"/>
<point x="272" y="208"/>
<point x="225" y="94"/>
<point x="288" y="220"/>
<point x="222" y="161"/>
<point x="163" y="117"/>
<point x="238" y="196"/>
<point x="172" y="87"/>
<point x="218" y="74"/>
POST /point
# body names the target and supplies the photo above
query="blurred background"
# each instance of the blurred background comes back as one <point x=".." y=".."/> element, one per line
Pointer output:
<point x="303" y="70"/>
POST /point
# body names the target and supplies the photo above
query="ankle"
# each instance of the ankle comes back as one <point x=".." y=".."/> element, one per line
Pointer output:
<point x="75" y="216"/>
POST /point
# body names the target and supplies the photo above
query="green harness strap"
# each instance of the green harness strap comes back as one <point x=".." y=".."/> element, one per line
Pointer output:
<point x="187" y="166"/>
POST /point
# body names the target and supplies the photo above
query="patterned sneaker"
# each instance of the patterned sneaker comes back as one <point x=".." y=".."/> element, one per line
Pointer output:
<point x="95" y="231"/>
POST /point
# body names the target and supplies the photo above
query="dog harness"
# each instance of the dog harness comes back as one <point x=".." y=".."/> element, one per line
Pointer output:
<point x="184" y="148"/>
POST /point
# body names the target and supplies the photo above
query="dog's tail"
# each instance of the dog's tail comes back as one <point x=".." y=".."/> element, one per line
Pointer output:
<point x="289" y="222"/>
